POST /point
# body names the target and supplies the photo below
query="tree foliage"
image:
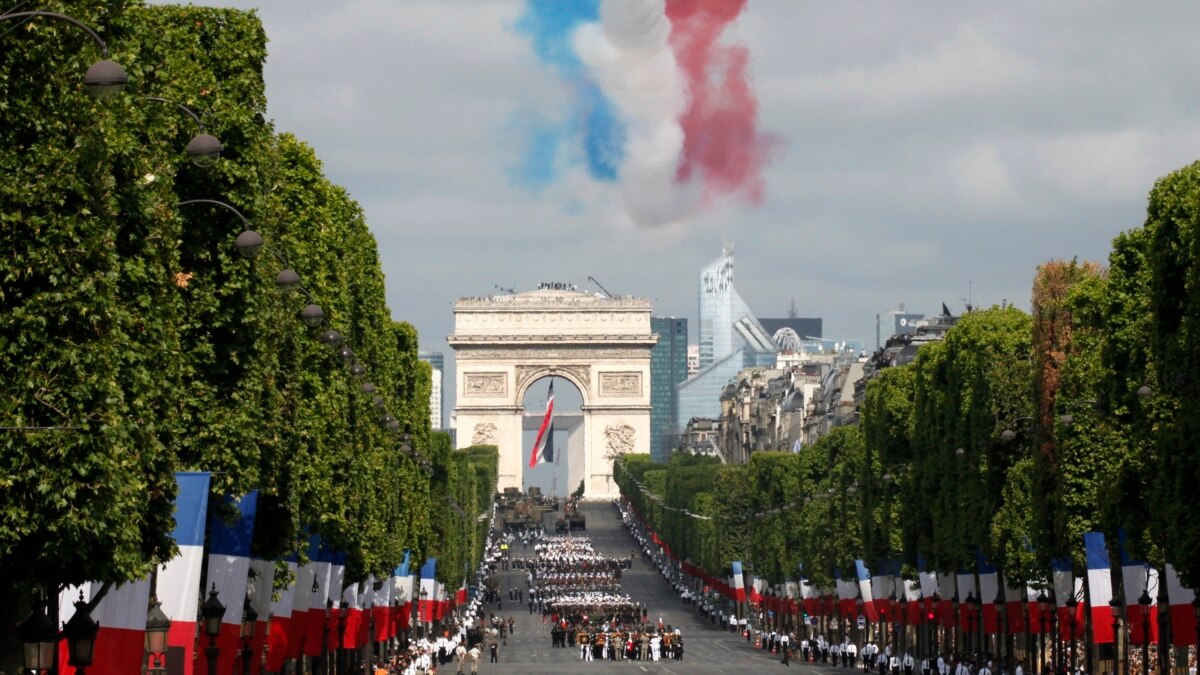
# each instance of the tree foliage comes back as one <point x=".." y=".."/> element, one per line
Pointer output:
<point x="133" y="319"/>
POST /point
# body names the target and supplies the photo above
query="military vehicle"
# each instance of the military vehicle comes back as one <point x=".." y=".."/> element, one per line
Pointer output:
<point x="520" y="512"/>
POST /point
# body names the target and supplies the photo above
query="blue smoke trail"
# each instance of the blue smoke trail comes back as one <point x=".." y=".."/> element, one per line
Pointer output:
<point x="549" y="24"/>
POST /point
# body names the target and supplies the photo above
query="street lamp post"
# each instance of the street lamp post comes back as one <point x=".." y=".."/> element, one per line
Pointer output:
<point x="1144" y="601"/>
<point x="903" y="622"/>
<point x="1072" y="604"/>
<point x="39" y="640"/>
<point x="204" y="149"/>
<point x="212" y="612"/>
<point x="955" y="632"/>
<point x="249" y="627"/>
<point x="157" y="626"/>
<point x="341" y="649"/>
<point x="1001" y="619"/>
<point x="80" y="633"/>
<point x="970" y="620"/>
<point x="105" y="78"/>
<point x="1045" y="607"/>
<point x="1117" y="606"/>
<point x="325" y="636"/>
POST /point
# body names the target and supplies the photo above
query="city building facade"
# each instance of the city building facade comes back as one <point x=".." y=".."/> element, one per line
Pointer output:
<point x="668" y="368"/>
<point x="437" y="362"/>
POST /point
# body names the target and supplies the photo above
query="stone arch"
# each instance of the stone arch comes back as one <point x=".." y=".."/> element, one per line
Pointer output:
<point x="601" y="345"/>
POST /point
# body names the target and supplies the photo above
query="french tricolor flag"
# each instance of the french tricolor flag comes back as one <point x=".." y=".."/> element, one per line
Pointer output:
<point x="883" y="587"/>
<point x="739" y="584"/>
<point x="1015" y="601"/>
<point x="1099" y="586"/>
<point x="966" y="589"/>
<point x="429" y="588"/>
<point x="1138" y="577"/>
<point x="262" y="584"/>
<point x="810" y="596"/>
<point x="281" y="622"/>
<point x="315" y="623"/>
<point x="989" y="588"/>
<point x="847" y="594"/>
<point x="912" y="593"/>
<point x="122" y="618"/>
<point x="179" y="579"/>
<point x="352" y="601"/>
<point x="228" y="572"/>
<point x="948" y="589"/>
<point x="1183" y="615"/>
<point x="460" y="598"/>
<point x="337" y="580"/>
<point x="929" y="585"/>
<point x="301" y="596"/>
<point x="1066" y="586"/>
<point x="543" y="451"/>
<point x="381" y="610"/>
<point x="402" y="594"/>
<point x="756" y="585"/>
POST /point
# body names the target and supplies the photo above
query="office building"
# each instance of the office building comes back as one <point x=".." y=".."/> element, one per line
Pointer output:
<point x="730" y="339"/>
<point x="668" y="368"/>
<point x="438" y="363"/>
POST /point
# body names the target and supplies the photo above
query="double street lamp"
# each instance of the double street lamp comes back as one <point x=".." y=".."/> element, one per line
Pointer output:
<point x="40" y="639"/>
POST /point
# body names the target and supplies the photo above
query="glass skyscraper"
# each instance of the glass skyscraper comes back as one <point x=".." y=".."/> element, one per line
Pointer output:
<point x="730" y="339"/>
<point x="668" y="367"/>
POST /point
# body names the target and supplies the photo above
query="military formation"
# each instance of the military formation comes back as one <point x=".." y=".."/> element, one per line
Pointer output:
<point x="578" y="592"/>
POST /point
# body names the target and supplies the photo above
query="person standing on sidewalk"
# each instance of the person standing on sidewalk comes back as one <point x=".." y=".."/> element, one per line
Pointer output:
<point x="785" y="646"/>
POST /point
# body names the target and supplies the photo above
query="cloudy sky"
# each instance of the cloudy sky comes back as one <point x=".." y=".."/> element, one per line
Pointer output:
<point x="926" y="152"/>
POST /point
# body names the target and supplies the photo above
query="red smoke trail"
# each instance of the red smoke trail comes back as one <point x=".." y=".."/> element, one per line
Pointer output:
<point x="721" y="140"/>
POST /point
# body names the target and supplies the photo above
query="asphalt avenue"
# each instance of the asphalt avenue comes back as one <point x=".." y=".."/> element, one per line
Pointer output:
<point x="706" y="648"/>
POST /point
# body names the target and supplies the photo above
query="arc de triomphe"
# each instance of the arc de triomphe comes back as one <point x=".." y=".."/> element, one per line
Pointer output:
<point x="503" y="344"/>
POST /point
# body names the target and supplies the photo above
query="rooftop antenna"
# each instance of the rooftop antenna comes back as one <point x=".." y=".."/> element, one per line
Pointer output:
<point x="510" y="291"/>
<point x="600" y="286"/>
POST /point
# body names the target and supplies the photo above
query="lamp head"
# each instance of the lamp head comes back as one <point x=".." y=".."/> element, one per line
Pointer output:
<point x="204" y="150"/>
<point x="105" y="79"/>
<point x="249" y="243"/>
<point x="312" y="315"/>
<point x="212" y="612"/>
<point x="39" y="639"/>
<point x="157" y="625"/>
<point x="80" y="633"/>
<point x="287" y="280"/>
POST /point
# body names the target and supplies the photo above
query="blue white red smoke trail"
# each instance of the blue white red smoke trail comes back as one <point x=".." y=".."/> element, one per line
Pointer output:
<point x="660" y="105"/>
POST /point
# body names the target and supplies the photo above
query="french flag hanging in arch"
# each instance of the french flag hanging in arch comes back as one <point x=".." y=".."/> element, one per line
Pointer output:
<point x="543" y="447"/>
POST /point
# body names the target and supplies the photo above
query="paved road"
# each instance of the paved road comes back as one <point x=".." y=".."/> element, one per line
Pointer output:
<point x="707" y="649"/>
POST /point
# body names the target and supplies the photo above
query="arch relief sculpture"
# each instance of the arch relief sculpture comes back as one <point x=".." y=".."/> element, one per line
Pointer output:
<point x="485" y="434"/>
<point x="619" y="439"/>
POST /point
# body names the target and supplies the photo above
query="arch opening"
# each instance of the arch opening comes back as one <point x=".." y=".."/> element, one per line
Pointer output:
<point x="565" y="435"/>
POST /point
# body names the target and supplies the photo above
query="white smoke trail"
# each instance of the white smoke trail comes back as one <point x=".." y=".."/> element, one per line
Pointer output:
<point x="629" y="57"/>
